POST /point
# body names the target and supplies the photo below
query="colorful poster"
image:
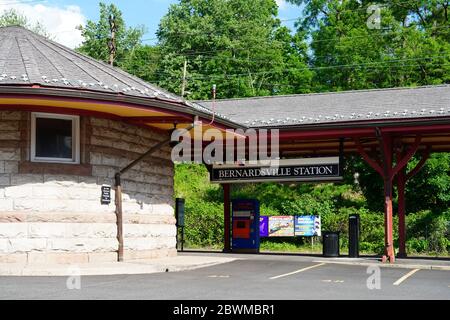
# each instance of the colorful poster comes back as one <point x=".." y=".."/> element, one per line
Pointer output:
<point x="281" y="226"/>
<point x="264" y="227"/>
<point x="308" y="226"/>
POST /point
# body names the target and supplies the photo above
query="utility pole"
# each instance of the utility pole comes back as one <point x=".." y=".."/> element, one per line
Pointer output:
<point x="183" y="83"/>
<point x="112" y="41"/>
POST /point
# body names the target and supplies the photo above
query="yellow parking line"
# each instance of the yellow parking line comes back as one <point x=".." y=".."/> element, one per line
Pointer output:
<point x="406" y="276"/>
<point x="298" y="271"/>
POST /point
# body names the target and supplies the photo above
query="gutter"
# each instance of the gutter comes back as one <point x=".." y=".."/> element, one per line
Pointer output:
<point x="166" y="104"/>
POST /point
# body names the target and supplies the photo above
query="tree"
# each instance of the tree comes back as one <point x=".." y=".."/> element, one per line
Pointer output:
<point x="409" y="47"/>
<point x="143" y="62"/>
<point x="101" y="36"/>
<point x="238" y="45"/>
<point x="13" y="17"/>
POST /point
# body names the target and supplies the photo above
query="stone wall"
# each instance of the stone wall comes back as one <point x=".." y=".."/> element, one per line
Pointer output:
<point x="52" y="212"/>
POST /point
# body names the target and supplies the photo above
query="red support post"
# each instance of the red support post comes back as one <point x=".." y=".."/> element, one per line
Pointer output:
<point x="401" y="185"/>
<point x="227" y="217"/>
<point x="387" y="151"/>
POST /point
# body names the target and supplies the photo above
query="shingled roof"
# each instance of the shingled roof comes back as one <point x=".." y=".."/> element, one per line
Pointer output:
<point x="337" y="108"/>
<point x="27" y="58"/>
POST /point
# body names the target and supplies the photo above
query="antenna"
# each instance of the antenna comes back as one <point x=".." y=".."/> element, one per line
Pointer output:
<point x="214" y="93"/>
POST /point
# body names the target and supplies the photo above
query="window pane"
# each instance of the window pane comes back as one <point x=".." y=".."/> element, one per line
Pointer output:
<point x="53" y="138"/>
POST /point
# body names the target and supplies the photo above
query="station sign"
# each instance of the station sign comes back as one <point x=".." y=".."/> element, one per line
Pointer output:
<point x="285" y="170"/>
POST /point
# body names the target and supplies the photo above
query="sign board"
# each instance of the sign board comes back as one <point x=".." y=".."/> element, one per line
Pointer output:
<point x="264" y="227"/>
<point x="281" y="226"/>
<point x="308" y="226"/>
<point x="106" y="195"/>
<point x="308" y="170"/>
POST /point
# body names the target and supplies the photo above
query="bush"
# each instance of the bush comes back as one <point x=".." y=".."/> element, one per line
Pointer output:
<point x="204" y="223"/>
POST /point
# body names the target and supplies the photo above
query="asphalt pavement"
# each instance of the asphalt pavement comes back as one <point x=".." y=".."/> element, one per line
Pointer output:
<point x="254" y="277"/>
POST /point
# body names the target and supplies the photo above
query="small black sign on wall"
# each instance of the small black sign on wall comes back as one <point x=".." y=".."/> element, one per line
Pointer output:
<point x="106" y="195"/>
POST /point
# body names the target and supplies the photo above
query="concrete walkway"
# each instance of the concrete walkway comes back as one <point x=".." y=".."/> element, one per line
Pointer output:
<point x="175" y="264"/>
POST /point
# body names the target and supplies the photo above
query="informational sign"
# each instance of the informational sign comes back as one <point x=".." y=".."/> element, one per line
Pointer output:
<point x="309" y="170"/>
<point x="308" y="226"/>
<point x="281" y="226"/>
<point x="106" y="195"/>
<point x="264" y="227"/>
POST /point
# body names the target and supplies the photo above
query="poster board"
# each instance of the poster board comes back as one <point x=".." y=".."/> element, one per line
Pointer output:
<point x="264" y="227"/>
<point x="282" y="226"/>
<point x="308" y="226"/>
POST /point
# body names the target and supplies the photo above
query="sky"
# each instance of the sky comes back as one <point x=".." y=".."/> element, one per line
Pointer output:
<point x="61" y="17"/>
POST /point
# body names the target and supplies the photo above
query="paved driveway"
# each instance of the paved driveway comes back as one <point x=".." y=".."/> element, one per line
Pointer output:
<point x="250" y="278"/>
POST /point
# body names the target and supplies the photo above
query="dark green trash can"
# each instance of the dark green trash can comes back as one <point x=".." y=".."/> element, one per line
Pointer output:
<point x="331" y="244"/>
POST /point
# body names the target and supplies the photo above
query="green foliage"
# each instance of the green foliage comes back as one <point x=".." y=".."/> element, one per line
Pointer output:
<point x="97" y="36"/>
<point x="410" y="48"/>
<point x="433" y="181"/>
<point x="237" y="44"/>
<point x="428" y="232"/>
<point x="13" y="17"/>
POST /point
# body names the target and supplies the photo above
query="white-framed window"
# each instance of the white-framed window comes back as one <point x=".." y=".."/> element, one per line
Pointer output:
<point x="55" y="138"/>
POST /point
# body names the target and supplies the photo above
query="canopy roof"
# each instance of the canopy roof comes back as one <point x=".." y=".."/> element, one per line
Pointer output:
<point x="337" y="107"/>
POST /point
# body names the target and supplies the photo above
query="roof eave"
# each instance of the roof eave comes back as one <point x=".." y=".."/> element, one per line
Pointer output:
<point x="165" y="104"/>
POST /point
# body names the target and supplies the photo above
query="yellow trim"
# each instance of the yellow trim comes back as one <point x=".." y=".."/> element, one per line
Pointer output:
<point x="117" y="110"/>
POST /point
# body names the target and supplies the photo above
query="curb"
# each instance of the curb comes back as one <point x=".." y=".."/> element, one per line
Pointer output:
<point x="393" y="266"/>
<point x="124" y="268"/>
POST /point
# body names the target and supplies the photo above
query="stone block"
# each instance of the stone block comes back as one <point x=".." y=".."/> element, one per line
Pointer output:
<point x="6" y="205"/>
<point x="21" y="191"/>
<point x="16" y="258"/>
<point x="39" y="258"/>
<point x="10" y="135"/>
<point x="149" y="230"/>
<point x="99" y="122"/>
<point x="97" y="257"/>
<point x="11" y="167"/>
<point x="140" y="244"/>
<point x="9" y="125"/>
<point x="20" y="179"/>
<point x="110" y="160"/>
<point x="61" y="180"/>
<point x="149" y="254"/>
<point x="96" y="158"/>
<point x="10" y="154"/>
<point x="83" y="245"/>
<point x="91" y="230"/>
<point x="13" y="230"/>
<point x="26" y="245"/>
<point x="46" y="230"/>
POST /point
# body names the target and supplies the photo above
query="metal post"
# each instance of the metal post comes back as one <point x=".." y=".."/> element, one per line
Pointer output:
<point x="227" y="218"/>
<point x="182" y="239"/>
<point x="119" y="216"/>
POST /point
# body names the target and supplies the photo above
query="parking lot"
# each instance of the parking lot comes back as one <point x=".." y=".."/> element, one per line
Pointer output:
<point x="254" y="277"/>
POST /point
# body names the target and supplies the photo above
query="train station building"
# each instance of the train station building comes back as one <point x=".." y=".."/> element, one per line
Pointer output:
<point x="72" y="128"/>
